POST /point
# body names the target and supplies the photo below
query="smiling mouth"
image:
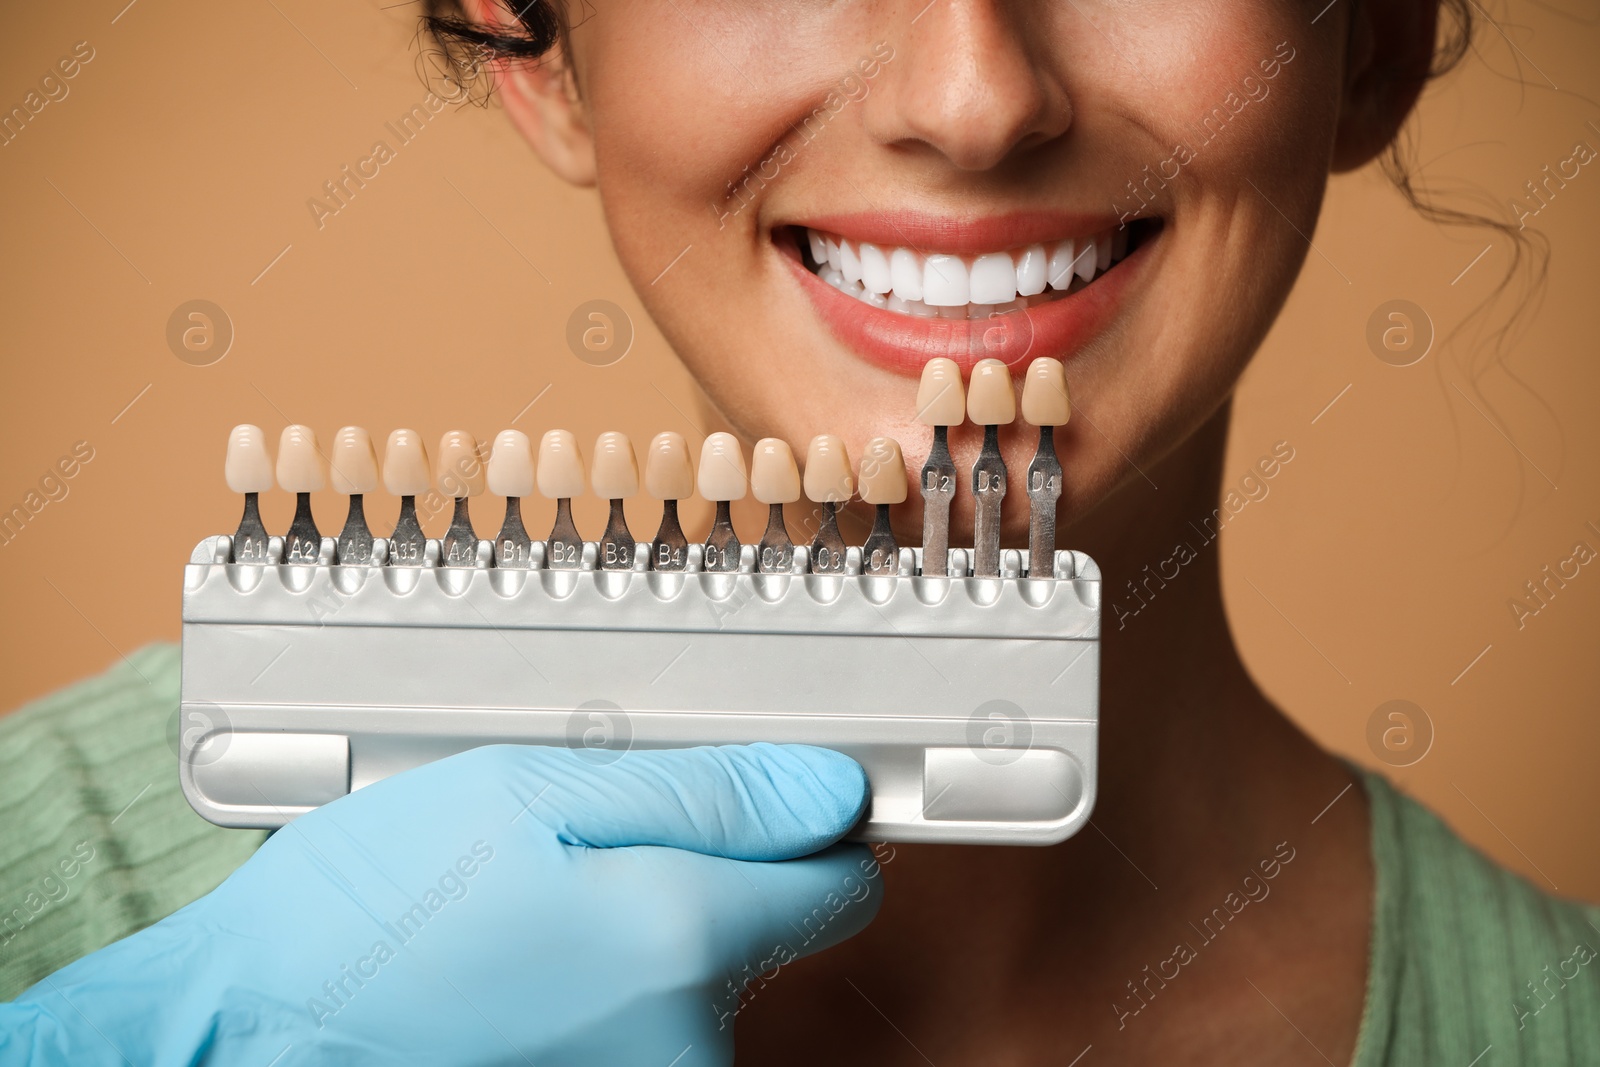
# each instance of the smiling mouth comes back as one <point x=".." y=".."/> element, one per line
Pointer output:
<point x="931" y="285"/>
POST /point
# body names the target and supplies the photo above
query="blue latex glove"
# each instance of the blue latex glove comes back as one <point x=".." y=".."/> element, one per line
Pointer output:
<point x="510" y="905"/>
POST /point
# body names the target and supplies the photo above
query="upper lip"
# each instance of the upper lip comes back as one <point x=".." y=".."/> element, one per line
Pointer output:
<point x="960" y="236"/>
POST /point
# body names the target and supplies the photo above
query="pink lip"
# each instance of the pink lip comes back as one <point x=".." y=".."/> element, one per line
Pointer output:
<point x="969" y="237"/>
<point x="904" y="344"/>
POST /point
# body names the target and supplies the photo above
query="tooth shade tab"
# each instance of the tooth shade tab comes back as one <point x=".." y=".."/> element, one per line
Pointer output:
<point x="941" y="400"/>
<point x="668" y="471"/>
<point x="560" y="471"/>
<point x="511" y="464"/>
<point x="459" y="468"/>
<point x="1044" y="394"/>
<point x="248" y="467"/>
<point x="353" y="462"/>
<point x="299" y="460"/>
<point x="828" y="479"/>
<point x="405" y="464"/>
<point x="774" y="476"/>
<point x="883" y="472"/>
<point x="722" y="472"/>
<point x="990" y="400"/>
<point x="614" y="474"/>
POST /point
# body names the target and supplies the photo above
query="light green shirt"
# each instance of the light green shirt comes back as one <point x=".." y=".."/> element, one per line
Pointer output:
<point x="1471" y="966"/>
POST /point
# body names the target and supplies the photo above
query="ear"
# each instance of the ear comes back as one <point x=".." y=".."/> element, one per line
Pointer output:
<point x="542" y="101"/>
<point x="1387" y="61"/>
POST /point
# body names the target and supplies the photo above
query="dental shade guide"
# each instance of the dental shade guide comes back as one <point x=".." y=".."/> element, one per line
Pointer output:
<point x="353" y="471"/>
<point x="990" y="404"/>
<point x="249" y="471"/>
<point x="722" y="479"/>
<point x="406" y="475"/>
<point x="882" y="481"/>
<point x="669" y="477"/>
<point x="775" y="481"/>
<point x="941" y="403"/>
<point x="300" y="472"/>
<point x="511" y="476"/>
<point x="1045" y="405"/>
<point x="460" y="477"/>
<point x="560" y="477"/>
<point x="968" y="695"/>
<point x="615" y="477"/>
<point x="828" y="483"/>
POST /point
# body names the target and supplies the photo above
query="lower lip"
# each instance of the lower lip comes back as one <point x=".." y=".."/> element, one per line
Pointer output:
<point x="904" y="343"/>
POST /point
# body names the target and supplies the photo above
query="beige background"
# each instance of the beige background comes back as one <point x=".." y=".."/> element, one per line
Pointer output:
<point x="1379" y="567"/>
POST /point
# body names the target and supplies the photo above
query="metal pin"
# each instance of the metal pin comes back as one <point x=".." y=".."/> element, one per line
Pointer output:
<point x="614" y="475"/>
<point x="511" y="476"/>
<point x="669" y="477"/>
<point x="460" y="477"/>
<point x="990" y="404"/>
<point x="353" y="470"/>
<point x="882" y="483"/>
<point x="941" y="403"/>
<point x="828" y="483"/>
<point x="248" y="470"/>
<point x="775" y="481"/>
<point x="1045" y="405"/>
<point x="722" y="479"/>
<point x="405" y="475"/>
<point x="300" y="472"/>
<point x="560" y="477"/>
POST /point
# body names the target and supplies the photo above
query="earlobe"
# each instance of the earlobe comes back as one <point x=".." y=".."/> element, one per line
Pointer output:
<point x="542" y="102"/>
<point x="1387" y="62"/>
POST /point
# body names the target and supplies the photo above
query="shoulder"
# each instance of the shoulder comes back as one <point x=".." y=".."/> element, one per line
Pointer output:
<point x="1467" y="956"/>
<point x="99" y="841"/>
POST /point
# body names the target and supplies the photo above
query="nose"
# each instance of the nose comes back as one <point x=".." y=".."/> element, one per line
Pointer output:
<point x="969" y="85"/>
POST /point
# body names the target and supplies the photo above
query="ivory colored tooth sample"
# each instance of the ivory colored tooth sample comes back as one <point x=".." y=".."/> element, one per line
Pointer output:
<point x="669" y="477"/>
<point x="248" y="469"/>
<point x="991" y="403"/>
<point x="560" y="477"/>
<point x="1045" y="405"/>
<point x="300" y="472"/>
<point x="460" y="475"/>
<point x="510" y="475"/>
<point x="775" y="481"/>
<point x="990" y="398"/>
<point x="407" y="475"/>
<point x="829" y="483"/>
<point x="882" y="484"/>
<point x="614" y="476"/>
<point x="1044" y="393"/>
<point x="353" y="470"/>
<point x="941" y="403"/>
<point x="722" y="479"/>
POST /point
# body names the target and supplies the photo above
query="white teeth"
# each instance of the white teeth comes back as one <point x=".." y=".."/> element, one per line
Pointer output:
<point x="905" y="270"/>
<point x="1085" y="262"/>
<point x="945" y="282"/>
<point x="1060" y="269"/>
<point x="945" y="286"/>
<point x="875" y="269"/>
<point x="1031" y="270"/>
<point x="994" y="279"/>
<point x="849" y="262"/>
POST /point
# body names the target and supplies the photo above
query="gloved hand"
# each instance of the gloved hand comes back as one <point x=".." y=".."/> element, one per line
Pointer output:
<point x="509" y="905"/>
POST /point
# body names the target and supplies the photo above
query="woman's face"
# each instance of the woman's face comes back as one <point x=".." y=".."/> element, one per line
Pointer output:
<point x="1192" y="137"/>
